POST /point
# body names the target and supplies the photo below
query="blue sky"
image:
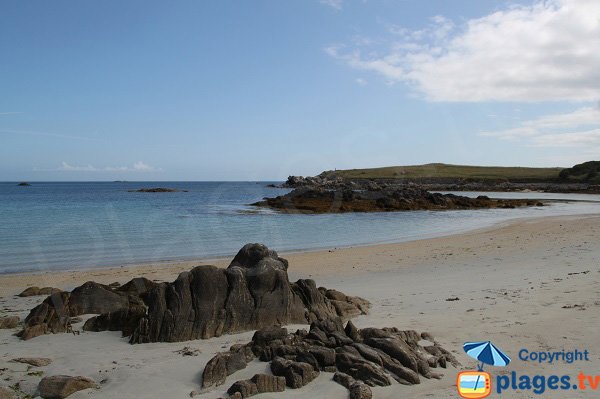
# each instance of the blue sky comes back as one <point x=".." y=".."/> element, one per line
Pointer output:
<point x="224" y="90"/>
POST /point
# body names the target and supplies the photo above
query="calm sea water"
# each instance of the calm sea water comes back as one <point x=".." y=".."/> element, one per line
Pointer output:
<point x="56" y="226"/>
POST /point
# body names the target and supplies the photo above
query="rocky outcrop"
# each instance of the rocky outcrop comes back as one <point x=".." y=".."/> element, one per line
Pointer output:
<point x="366" y="358"/>
<point x="61" y="386"/>
<point x="55" y="313"/>
<point x="582" y="178"/>
<point x="9" y="322"/>
<point x="36" y="291"/>
<point x="312" y="181"/>
<point x="253" y="292"/>
<point x="342" y="199"/>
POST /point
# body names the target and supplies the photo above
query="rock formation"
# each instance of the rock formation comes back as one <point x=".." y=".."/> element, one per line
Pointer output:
<point x="377" y="198"/>
<point x="253" y="292"/>
<point x="360" y="359"/>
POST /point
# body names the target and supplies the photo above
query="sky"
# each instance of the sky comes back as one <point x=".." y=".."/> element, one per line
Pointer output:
<point x="259" y="90"/>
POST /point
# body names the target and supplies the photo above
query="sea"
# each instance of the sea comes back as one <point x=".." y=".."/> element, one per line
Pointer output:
<point x="75" y="225"/>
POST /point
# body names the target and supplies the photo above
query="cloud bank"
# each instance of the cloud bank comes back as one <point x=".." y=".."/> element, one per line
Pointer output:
<point x="335" y="4"/>
<point x="580" y="128"/>
<point x="547" y="51"/>
<point x="137" y="167"/>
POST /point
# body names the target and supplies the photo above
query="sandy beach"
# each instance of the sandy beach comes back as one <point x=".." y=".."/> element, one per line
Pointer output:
<point x="530" y="284"/>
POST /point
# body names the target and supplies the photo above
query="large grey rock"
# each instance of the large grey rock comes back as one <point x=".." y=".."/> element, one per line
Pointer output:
<point x="215" y="371"/>
<point x="61" y="386"/>
<point x="252" y="293"/>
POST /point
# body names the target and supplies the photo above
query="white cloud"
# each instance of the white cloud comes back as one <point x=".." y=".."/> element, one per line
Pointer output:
<point x="137" y="167"/>
<point x="361" y="82"/>
<point x="43" y="134"/>
<point x="143" y="167"/>
<point x="336" y="4"/>
<point x="579" y="128"/>
<point x="547" y="51"/>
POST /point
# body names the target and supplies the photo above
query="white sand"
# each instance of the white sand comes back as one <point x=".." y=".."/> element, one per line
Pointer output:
<point x="512" y="281"/>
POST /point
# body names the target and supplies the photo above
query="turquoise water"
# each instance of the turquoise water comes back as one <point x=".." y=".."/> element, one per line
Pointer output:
<point x="58" y="226"/>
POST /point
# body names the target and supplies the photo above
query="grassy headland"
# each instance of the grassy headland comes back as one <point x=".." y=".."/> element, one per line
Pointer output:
<point x="441" y="171"/>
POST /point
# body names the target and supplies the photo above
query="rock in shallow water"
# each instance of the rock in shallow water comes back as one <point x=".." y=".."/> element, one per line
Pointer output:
<point x="345" y="198"/>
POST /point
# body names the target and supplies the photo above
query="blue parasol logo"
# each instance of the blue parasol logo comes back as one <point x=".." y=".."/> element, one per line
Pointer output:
<point x="486" y="353"/>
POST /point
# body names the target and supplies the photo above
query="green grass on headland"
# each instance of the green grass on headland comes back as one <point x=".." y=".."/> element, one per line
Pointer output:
<point x="440" y="171"/>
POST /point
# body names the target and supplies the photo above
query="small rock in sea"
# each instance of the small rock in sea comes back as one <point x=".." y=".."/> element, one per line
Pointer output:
<point x="33" y="361"/>
<point x="9" y="322"/>
<point x="453" y="299"/>
<point x="156" y="190"/>
<point x="23" y="184"/>
<point x="61" y="386"/>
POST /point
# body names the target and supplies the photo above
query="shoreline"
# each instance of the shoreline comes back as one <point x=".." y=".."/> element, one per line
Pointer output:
<point x="165" y="268"/>
<point x="529" y="283"/>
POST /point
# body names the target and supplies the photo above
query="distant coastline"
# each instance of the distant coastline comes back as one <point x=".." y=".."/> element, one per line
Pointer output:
<point x="581" y="178"/>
